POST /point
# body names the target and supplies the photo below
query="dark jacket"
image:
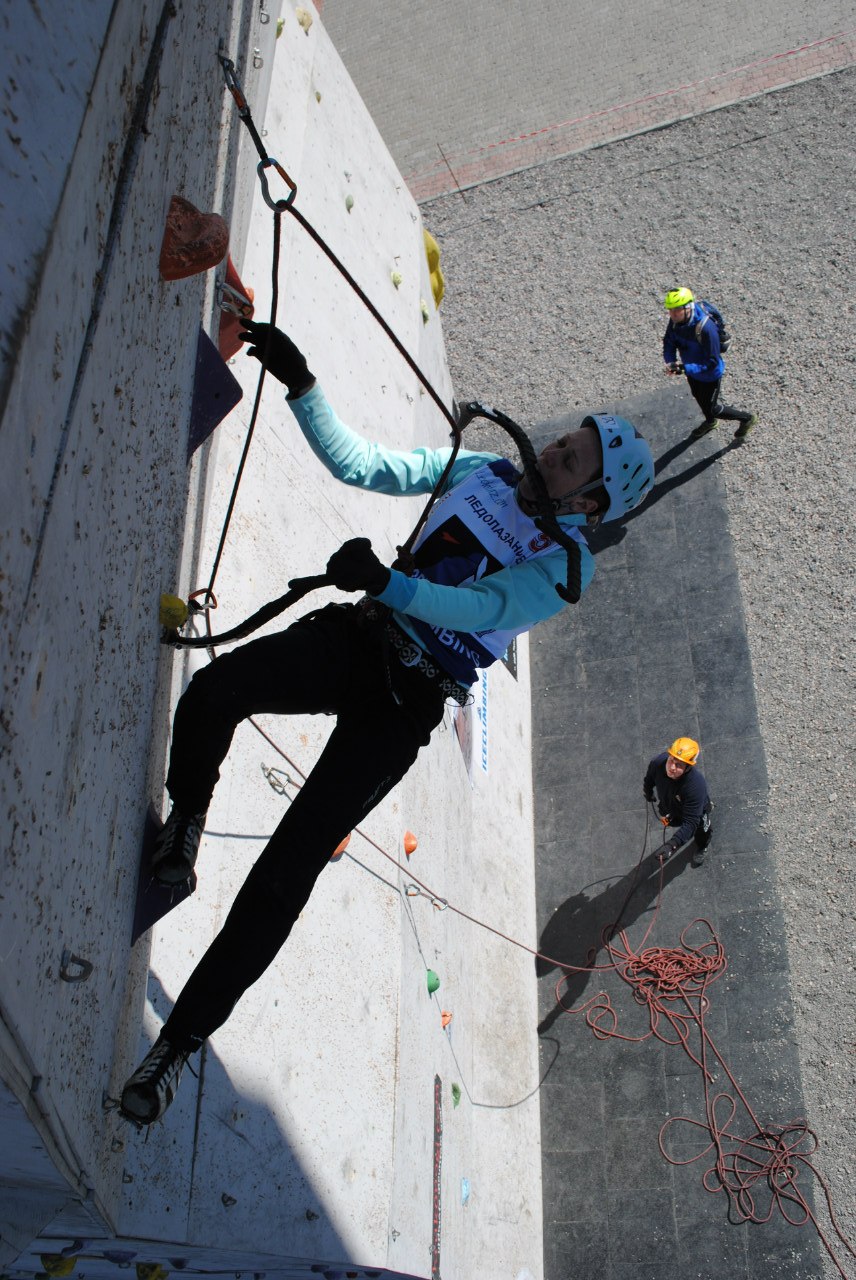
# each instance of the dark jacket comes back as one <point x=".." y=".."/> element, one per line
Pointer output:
<point x="682" y="800"/>
<point x="699" y="351"/>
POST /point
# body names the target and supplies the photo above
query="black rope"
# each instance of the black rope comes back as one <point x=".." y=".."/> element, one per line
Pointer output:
<point x="277" y="228"/>
<point x="546" y="520"/>
<point x="297" y="589"/>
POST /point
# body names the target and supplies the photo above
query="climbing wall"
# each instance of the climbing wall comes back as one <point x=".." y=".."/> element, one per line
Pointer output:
<point x="112" y="109"/>
<point x="356" y="1115"/>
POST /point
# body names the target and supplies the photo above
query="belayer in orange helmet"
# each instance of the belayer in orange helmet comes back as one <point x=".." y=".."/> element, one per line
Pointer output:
<point x="682" y="798"/>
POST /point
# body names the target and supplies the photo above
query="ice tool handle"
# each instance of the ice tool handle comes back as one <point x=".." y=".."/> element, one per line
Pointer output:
<point x="546" y="520"/>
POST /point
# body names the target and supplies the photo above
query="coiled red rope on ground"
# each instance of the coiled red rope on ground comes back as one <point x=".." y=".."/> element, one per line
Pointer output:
<point x="759" y="1173"/>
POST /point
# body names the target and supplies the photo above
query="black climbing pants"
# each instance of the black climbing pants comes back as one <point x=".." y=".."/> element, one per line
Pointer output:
<point x="326" y="662"/>
<point x="706" y="395"/>
<point x="703" y="833"/>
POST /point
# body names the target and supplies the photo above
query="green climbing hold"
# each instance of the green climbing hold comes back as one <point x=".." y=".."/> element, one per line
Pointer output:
<point x="433" y="981"/>
<point x="456" y="1094"/>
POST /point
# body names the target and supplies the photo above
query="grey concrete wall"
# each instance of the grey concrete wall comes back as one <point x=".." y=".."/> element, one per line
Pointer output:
<point x="98" y="374"/>
<point x="310" y="1133"/>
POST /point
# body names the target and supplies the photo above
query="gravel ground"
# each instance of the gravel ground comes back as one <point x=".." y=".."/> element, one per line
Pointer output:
<point x="554" y="284"/>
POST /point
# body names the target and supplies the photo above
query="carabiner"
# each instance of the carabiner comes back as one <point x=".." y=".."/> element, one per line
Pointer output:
<point x="276" y="205"/>
<point x="233" y="301"/>
<point x="233" y="84"/>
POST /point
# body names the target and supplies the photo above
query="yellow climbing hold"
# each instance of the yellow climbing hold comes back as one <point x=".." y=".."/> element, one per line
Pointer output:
<point x="304" y="17"/>
<point x="432" y="250"/>
<point x="173" y="612"/>
<point x="423" y="307"/>
<point x="432" y="253"/>
<point x="151" y="1271"/>
<point x="349" y="202"/>
<point x="396" y="277"/>
<point x="280" y="27"/>
<point x="56" y="1265"/>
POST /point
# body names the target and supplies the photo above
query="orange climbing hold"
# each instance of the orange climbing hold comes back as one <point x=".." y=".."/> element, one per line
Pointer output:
<point x="237" y="306"/>
<point x="192" y="241"/>
<point x="410" y="842"/>
<point x="445" y="1018"/>
<point x="340" y="848"/>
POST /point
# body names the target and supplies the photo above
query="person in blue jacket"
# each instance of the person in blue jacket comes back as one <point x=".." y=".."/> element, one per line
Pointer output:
<point x="483" y="572"/>
<point x="682" y="798"/>
<point x="692" y="334"/>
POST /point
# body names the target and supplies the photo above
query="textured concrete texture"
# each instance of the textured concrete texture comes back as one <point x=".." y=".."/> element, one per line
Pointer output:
<point x="98" y="383"/>
<point x="465" y="93"/>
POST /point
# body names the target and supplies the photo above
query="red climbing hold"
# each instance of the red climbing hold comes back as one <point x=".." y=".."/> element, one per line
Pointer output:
<point x="192" y="241"/>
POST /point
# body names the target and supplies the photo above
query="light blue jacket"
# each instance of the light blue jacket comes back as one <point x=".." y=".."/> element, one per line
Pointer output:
<point x="501" y="590"/>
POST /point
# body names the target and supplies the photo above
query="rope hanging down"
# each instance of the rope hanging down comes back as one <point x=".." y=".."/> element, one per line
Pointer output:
<point x="546" y="519"/>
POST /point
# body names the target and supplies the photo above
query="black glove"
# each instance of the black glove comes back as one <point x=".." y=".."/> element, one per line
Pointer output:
<point x="355" y="567"/>
<point x="665" y="850"/>
<point x="283" y="359"/>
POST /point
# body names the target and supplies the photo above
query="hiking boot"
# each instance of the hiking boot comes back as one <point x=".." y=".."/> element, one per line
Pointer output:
<point x="746" y="427"/>
<point x="703" y="428"/>
<point x="698" y="857"/>
<point x="176" y="847"/>
<point x="152" y="1087"/>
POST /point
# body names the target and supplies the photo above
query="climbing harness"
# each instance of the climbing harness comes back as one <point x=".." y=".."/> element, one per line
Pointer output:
<point x="412" y="656"/>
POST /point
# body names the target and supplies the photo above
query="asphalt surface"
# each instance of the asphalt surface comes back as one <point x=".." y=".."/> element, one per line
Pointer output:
<point x="611" y="688"/>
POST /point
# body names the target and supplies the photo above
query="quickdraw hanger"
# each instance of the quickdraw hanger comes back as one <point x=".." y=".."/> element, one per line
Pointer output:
<point x="546" y="520"/>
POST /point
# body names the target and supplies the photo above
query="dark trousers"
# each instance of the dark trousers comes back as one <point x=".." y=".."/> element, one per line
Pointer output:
<point x="703" y="833"/>
<point x="326" y="662"/>
<point x="706" y="396"/>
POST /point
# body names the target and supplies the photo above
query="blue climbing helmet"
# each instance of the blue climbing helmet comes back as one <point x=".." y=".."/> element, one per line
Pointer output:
<point x="628" y="465"/>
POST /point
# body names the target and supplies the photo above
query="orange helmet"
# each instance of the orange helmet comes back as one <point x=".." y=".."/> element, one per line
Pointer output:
<point x="685" y="750"/>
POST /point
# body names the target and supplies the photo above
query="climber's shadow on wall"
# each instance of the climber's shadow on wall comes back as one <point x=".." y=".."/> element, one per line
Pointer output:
<point x="576" y="932"/>
<point x="220" y="1140"/>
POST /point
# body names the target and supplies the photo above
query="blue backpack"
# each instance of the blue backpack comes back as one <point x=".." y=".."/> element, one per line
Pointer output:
<point x="713" y="313"/>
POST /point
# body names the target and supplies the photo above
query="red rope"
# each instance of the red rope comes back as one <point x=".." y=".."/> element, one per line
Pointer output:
<point x="671" y="984"/>
<point x="759" y="1172"/>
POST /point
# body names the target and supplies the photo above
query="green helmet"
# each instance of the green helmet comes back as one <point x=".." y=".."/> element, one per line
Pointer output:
<point x="677" y="298"/>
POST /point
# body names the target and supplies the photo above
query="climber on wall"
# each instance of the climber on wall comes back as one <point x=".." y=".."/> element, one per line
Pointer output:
<point x="483" y="573"/>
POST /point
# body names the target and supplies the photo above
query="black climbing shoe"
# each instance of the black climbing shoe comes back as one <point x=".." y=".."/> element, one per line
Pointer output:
<point x="176" y="847"/>
<point x="152" y="1087"/>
